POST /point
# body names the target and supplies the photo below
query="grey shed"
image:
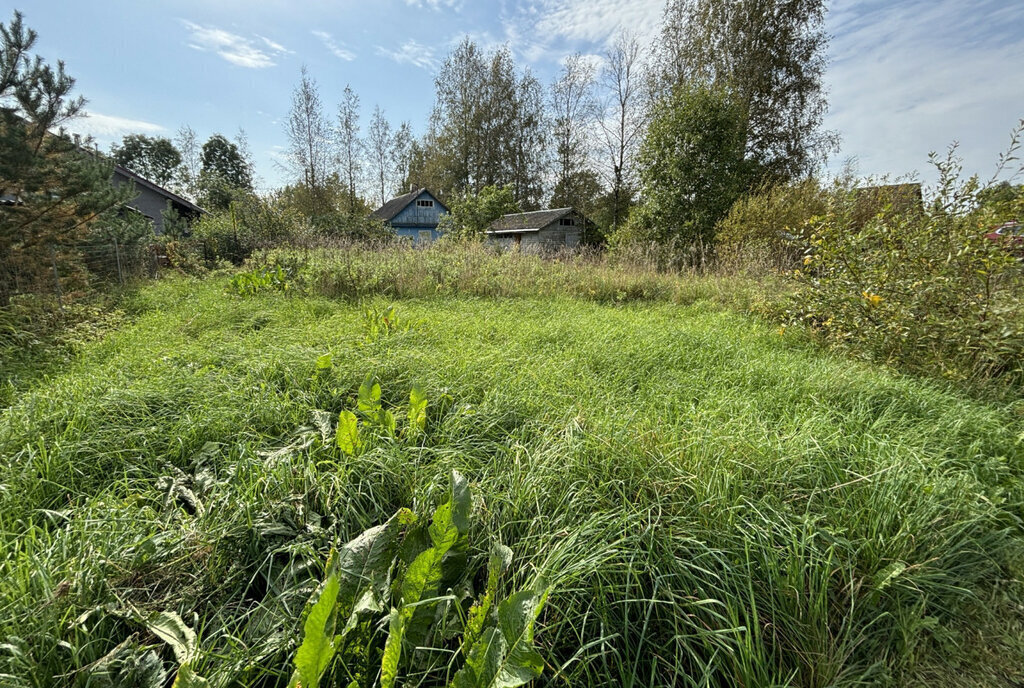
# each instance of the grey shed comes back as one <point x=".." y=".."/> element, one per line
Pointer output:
<point x="542" y="231"/>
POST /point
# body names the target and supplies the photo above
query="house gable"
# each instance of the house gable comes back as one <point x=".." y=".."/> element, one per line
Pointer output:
<point x="414" y="215"/>
<point x="422" y="211"/>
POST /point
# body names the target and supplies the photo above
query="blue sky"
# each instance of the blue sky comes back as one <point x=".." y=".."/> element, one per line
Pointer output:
<point x="905" y="77"/>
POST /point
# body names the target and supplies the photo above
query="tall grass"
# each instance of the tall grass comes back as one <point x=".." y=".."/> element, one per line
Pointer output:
<point x="720" y="505"/>
<point x="452" y="268"/>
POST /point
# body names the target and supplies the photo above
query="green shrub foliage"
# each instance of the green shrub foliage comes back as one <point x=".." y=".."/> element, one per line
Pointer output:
<point x="921" y="287"/>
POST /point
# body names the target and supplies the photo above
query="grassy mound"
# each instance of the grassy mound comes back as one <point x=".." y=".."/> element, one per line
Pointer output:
<point x="716" y="503"/>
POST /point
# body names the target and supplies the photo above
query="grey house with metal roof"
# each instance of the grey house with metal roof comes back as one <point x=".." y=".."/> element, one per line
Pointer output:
<point x="542" y="231"/>
<point x="414" y="215"/>
<point x="151" y="199"/>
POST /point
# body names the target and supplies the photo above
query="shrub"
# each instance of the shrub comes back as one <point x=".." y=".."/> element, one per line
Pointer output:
<point x="469" y="214"/>
<point x="768" y="225"/>
<point x="923" y="289"/>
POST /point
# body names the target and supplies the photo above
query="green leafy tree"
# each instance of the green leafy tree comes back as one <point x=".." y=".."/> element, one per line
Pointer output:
<point x="310" y="146"/>
<point x="54" y="189"/>
<point x="575" y="111"/>
<point x="692" y="167"/>
<point x="488" y="128"/>
<point x="470" y="214"/>
<point x="772" y="54"/>
<point x="225" y="173"/>
<point x="154" y="158"/>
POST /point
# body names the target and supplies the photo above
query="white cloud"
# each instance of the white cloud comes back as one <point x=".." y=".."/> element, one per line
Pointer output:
<point x="273" y="45"/>
<point x="549" y="29"/>
<point x="435" y="4"/>
<point x="909" y="78"/>
<point x="236" y="49"/>
<point x="337" y="50"/>
<point x="905" y="78"/>
<point x="110" y="127"/>
<point x="412" y="53"/>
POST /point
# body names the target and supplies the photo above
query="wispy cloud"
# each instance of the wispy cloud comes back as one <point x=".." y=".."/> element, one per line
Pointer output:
<point x="436" y="4"/>
<point x="238" y="50"/>
<point x="909" y="78"/>
<point x="339" y="51"/>
<point x="110" y="127"/>
<point x="411" y="53"/>
<point x="549" y="29"/>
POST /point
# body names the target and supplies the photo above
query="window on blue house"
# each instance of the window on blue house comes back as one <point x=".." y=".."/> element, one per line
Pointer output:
<point x="567" y="222"/>
<point x="425" y="204"/>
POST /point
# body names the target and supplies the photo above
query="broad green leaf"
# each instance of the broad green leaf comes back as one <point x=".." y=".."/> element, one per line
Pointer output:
<point x="347" y="435"/>
<point x="890" y="573"/>
<point x="417" y="409"/>
<point x="393" y="648"/>
<point x="512" y="662"/>
<point x="188" y="678"/>
<point x="483" y="662"/>
<point x="423" y="577"/>
<point x="516" y="618"/>
<point x="501" y="557"/>
<point x="318" y="640"/>
<point x="170" y="628"/>
<point x="325" y="362"/>
<point x="443" y="531"/>
<point x="366" y="561"/>
<point x="369" y="395"/>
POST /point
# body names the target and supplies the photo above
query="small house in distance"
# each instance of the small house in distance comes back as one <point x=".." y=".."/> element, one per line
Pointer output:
<point x="151" y="199"/>
<point x="414" y="215"/>
<point x="540" y="231"/>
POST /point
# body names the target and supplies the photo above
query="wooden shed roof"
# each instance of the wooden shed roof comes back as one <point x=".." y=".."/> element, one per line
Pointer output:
<point x="527" y="222"/>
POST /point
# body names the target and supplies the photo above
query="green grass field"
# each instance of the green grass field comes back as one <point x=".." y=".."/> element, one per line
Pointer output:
<point x="713" y="503"/>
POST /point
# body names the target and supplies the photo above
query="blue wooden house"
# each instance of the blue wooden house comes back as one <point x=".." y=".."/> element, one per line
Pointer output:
<point x="414" y="215"/>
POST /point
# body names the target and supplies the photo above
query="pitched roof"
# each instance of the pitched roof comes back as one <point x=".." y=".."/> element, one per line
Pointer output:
<point x="170" y="195"/>
<point x="527" y="222"/>
<point x="396" y="205"/>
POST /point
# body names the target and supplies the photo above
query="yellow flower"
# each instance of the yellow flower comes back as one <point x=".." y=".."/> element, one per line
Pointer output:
<point x="873" y="299"/>
<point x="782" y="330"/>
<point x="808" y="260"/>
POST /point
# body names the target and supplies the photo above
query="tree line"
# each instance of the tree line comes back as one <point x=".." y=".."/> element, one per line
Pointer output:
<point x="654" y="143"/>
<point x="212" y="174"/>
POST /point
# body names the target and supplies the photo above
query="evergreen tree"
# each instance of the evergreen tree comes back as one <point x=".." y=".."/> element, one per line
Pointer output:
<point x="54" y="190"/>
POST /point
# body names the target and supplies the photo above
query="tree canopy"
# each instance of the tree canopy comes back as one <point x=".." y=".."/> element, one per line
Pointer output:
<point x="692" y="166"/>
<point x="772" y="55"/>
<point x="154" y="158"/>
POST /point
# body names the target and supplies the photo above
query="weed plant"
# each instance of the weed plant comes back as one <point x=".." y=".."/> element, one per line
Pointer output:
<point x="711" y="503"/>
